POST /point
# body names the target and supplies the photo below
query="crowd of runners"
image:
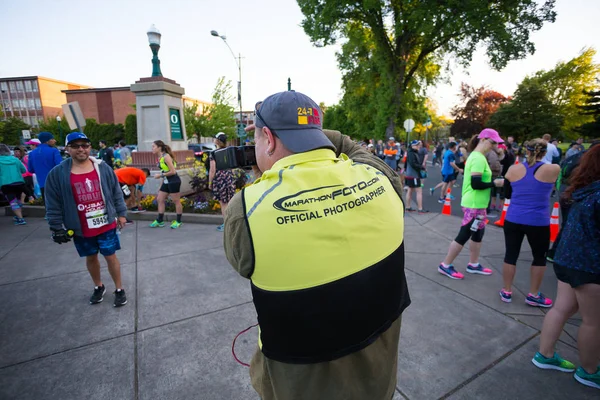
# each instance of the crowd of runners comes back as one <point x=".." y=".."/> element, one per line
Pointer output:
<point x="87" y="201"/>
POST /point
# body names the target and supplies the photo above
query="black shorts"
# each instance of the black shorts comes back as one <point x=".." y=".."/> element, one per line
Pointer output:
<point x="173" y="186"/>
<point x="574" y="277"/>
<point x="412" y="182"/>
<point x="13" y="191"/>
<point x="537" y="236"/>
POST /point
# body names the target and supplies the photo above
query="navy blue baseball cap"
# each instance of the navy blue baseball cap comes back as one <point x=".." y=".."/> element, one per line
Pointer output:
<point x="73" y="136"/>
<point x="45" y="137"/>
<point x="414" y="142"/>
<point x="296" y="119"/>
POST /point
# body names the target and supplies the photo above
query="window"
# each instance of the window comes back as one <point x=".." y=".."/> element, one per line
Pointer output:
<point x="27" y="120"/>
<point x="31" y="104"/>
<point x="28" y="86"/>
<point x="13" y="87"/>
<point x="20" y="88"/>
<point x="23" y="103"/>
<point x="38" y="104"/>
<point x="16" y="105"/>
<point x="3" y="86"/>
<point x="34" y="86"/>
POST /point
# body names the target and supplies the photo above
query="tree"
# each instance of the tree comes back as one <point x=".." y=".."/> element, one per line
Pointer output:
<point x="529" y="115"/>
<point x="131" y="129"/>
<point x="50" y="124"/>
<point x="566" y="84"/>
<point x="407" y="35"/>
<point x="11" y="130"/>
<point x="217" y="117"/>
<point x="336" y="117"/>
<point x="591" y="107"/>
<point x="478" y="104"/>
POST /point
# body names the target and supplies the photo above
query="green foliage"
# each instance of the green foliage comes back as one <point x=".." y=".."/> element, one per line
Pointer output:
<point x="10" y="131"/>
<point x="529" y="115"/>
<point x="591" y="107"/>
<point x="565" y="86"/>
<point x="402" y="41"/>
<point x="51" y="125"/>
<point x="112" y="133"/>
<point x="215" y="118"/>
<point x="131" y="129"/>
<point x="336" y="118"/>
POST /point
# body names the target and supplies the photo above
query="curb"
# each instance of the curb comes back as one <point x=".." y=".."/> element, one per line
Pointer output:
<point x="210" y="219"/>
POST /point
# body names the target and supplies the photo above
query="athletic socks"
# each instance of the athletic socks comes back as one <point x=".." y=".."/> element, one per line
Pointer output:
<point x="179" y="218"/>
<point x="160" y="217"/>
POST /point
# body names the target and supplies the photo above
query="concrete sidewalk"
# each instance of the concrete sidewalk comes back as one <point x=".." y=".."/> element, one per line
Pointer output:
<point x="186" y="304"/>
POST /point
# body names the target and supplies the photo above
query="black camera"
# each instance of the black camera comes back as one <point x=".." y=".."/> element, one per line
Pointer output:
<point x="235" y="157"/>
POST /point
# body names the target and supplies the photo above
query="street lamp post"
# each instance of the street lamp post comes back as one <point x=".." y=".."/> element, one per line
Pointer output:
<point x="154" y="40"/>
<point x="58" y="120"/>
<point x="238" y="61"/>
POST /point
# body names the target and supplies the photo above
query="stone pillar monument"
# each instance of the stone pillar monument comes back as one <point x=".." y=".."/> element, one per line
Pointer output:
<point x="159" y="108"/>
<point x="159" y="105"/>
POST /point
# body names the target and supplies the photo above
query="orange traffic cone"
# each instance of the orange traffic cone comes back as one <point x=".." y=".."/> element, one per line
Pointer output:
<point x="447" y="210"/>
<point x="500" y="222"/>
<point x="554" y="226"/>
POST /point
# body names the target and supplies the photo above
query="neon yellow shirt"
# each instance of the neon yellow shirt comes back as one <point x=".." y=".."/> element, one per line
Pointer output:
<point x="472" y="198"/>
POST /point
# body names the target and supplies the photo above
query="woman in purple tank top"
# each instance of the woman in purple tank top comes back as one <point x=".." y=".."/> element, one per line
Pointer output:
<point x="528" y="186"/>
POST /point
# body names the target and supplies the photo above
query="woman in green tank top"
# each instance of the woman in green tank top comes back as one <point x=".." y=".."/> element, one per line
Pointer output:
<point x="170" y="185"/>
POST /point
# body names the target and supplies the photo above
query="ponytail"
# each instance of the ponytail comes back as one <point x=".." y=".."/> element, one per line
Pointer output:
<point x="165" y="148"/>
<point x="473" y="143"/>
<point x="536" y="149"/>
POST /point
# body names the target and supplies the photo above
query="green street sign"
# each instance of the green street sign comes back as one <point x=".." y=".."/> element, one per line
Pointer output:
<point x="241" y="133"/>
<point x="175" y="122"/>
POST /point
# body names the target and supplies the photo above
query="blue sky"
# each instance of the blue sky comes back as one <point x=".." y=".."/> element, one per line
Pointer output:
<point x="104" y="44"/>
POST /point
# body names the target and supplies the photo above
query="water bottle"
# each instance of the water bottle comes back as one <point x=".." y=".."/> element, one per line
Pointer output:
<point x="475" y="225"/>
<point x="126" y="190"/>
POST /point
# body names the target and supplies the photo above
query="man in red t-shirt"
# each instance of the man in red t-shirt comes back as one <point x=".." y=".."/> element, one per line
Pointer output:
<point x="135" y="179"/>
<point x="84" y="201"/>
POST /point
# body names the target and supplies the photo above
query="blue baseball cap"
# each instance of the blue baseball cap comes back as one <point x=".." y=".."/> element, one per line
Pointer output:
<point x="73" y="136"/>
<point x="414" y="142"/>
<point x="45" y="136"/>
<point x="296" y="119"/>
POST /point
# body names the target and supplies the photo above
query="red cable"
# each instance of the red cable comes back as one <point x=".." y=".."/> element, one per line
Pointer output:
<point x="233" y="344"/>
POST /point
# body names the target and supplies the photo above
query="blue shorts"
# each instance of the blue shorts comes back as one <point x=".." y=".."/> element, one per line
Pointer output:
<point x="448" y="178"/>
<point x="106" y="243"/>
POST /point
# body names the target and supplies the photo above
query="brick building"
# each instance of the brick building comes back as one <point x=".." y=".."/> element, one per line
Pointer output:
<point x="33" y="98"/>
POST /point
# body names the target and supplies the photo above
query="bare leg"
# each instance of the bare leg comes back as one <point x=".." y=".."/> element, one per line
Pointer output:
<point x="419" y="198"/>
<point x="475" y="249"/>
<point x="564" y="308"/>
<point x="138" y="197"/>
<point x="537" y="274"/>
<point x="223" y="207"/>
<point x="114" y="267"/>
<point x="93" y="266"/>
<point x="508" y="274"/>
<point x="178" y="207"/>
<point x="588" y="339"/>
<point x="160" y="199"/>
<point x="453" y="252"/>
<point x="409" y="197"/>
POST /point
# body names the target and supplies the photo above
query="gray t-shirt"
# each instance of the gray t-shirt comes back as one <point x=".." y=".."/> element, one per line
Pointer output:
<point x="124" y="154"/>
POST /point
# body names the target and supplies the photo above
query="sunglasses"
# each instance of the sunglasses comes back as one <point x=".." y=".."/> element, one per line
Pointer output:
<point x="84" y="146"/>
<point x="257" y="114"/>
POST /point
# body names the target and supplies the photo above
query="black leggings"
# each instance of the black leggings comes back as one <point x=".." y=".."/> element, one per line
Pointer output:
<point x="537" y="236"/>
<point x="466" y="233"/>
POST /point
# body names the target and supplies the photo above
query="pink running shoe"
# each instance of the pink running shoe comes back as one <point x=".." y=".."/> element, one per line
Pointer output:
<point x="538" y="300"/>
<point x="450" y="272"/>
<point x="478" y="269"/>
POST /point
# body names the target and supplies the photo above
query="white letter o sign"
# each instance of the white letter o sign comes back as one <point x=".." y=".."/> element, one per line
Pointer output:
<point x="174" y="118"/>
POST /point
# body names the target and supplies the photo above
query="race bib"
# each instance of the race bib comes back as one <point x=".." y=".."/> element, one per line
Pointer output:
<point x="96" y="219"/>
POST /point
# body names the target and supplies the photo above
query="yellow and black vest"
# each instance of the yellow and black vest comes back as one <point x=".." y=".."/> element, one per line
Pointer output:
<point x="163" y="165"/>
<point x="327" y="235"/>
